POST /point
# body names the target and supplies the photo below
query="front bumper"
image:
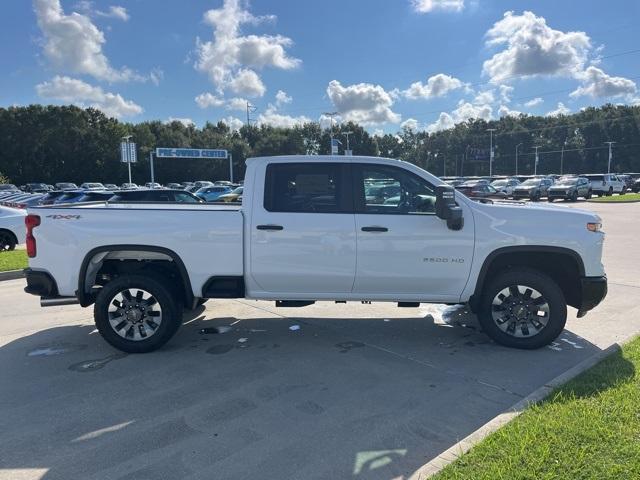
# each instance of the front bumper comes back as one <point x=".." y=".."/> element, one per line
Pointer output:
<point x="558" y="194"/>
<point x="592" y="292"/>
<point x="523" y="194"/>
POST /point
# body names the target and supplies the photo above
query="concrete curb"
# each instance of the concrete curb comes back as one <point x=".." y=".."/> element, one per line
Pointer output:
<point x="619" y="201"/>
<point x="11" y="275"/>
<point x="448" y="456"/>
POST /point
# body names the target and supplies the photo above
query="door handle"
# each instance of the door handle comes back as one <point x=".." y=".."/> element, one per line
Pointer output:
<point x="374" y="229"/>
<point x="270" y="227"/>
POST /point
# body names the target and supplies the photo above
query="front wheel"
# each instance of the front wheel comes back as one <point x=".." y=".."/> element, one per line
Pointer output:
<point x="588" y="195"/>
<point x="574" y="196"/>
<point x="137" y="314"/>
<point x="523" y="308"/>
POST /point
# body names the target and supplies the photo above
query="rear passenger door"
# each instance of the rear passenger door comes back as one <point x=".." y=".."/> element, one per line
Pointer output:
<point x="302" y="231"/>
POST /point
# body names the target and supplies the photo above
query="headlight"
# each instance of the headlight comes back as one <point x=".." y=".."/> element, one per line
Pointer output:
<point x="594" y="226"/>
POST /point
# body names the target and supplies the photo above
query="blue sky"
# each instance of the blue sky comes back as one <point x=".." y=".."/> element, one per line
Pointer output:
<point x="424" y="64"/>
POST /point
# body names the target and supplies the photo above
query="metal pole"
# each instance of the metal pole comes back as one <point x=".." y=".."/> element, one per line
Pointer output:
<point x="535" y="165"/>
<point x="129" y="165"/>
<point x="610" y="156"/>
<point x="491" y="130"/>
<point x="444" y="166"/>
<point x="517" y="158"/>
<point x="151" y="163"/>
<point x="231" y="166"/>
<point x="562" y="156"/>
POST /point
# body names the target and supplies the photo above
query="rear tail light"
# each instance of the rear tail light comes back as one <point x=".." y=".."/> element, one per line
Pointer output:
<point x="31" y="222"/>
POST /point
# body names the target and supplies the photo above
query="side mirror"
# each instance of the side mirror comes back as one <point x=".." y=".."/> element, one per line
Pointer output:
<point x="446" y="207"/>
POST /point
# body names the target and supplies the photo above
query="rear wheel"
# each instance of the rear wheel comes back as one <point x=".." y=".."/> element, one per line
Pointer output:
<point x="610" y="192"/>
<point x="574" y="196"/>
<point x="137" y="314"/>
<point x="7" y="241"/>
<point x="550" y="200"/>
<point x="523" y="308"/>
<point x="588" y="195"/>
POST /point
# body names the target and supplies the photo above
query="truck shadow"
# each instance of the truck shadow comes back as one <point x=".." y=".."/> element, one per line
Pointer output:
<point x="333" y="398"/>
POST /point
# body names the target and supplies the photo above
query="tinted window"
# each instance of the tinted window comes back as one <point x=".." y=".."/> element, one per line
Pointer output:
<point x="391" y="190"/>
<point x="305" y="187"/>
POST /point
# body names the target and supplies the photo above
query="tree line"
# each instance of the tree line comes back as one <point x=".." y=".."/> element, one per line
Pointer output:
<point x="66" y="143"/>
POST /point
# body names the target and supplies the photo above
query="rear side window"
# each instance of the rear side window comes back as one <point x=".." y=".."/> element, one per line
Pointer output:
<point x="306" y="187"/>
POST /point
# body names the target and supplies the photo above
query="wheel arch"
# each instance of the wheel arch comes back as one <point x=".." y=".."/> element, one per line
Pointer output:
<point x="563" y="265"/>
<point x="89" y="268"/>
<point x="10" y="232"/>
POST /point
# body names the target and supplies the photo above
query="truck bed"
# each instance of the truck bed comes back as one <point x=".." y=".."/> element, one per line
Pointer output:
<point x="207" y="238"/>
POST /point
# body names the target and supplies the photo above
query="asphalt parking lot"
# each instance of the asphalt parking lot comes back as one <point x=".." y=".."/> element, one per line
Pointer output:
<point x="326" y="391"/>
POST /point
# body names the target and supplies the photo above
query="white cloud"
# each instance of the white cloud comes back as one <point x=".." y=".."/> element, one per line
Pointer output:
<point x="206" y="100"/>
<point x="484" y="97"/>
<point x="72" y="43"/>
<point x="444" y="122"/>
<point x="505" y="111"/>
<point x="533" y="48"/>
<point x="596" y="83"/>
<point x="410" y="124"/>
<point x="233" y="123"/>
<point x="115" y="11"/>
<point x="533" y="102"/>
<point x="427" y="6"/>
<point x="275" y="119"/>
<point x="282" y="98"/>
<point x="505" y="93"/>
<point x="561" y="109"/>
<point x="363" y="103"/>
<point x="247" y="82"/>
<point x="230" y="59"/>
<point x="77" y="92"/>
<point x="467" y="111"/>
<point x="239" y="104"/>
<point x="436" y="86"/>
<point x="187" y="122"/>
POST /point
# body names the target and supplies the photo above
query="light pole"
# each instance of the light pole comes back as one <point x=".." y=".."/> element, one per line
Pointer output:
<point x="609" y="164"/>
<point x="331" y="115"/>
<point x="346" y="134"/>
<point x="466" y="151"/>
<point x="517" y="157"/>
<point x="562" y="156"/>
<point x="535" y="165"/>
<point x="491" y="130"/>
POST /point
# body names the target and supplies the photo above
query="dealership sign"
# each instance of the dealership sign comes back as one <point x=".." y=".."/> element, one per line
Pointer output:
<point x="190" y="153"/>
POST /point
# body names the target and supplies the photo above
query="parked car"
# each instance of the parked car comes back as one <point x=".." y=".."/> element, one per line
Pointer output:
<point x="481" y="190"/>
<point x="186" y="185"/>
<point x="152" y="185"/>
<point x="174" y="186"/>
<point x="212" y="194"/>
<point x="533" y="189"/>
<point x="605" y="184"/>
<point x="111" y="187"/>
<point x="92" y="186"/>
<point x="627" y="180"/>
<point x="570" y="188"/>
<point x="505" y="185"/>
<point x="224" y="183"/>
<point x="233" y="197"/>
<point x="51" y="197"/>
<point x="635" y="188"/>
<point x="198" y="185"/>
<point x="12" y="229"/>
<point x="8" y="187"/>
<point x="306" y="233"/>
<point x="65" y="186"/>
<point x="156" y="195"/>
<point x="36" y="188"/>
<point x="129" y="186"/>
<point x="30" y="201"/>
<point x="77" y="196"/>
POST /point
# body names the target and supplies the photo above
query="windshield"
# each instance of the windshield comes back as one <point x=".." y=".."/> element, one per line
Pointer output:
<point x="499" y="183"/>
<point x="531" y="182"/>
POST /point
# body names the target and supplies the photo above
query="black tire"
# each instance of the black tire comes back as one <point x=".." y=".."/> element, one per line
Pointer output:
<point x="7" y="241"/>
<point x="610" y="192"/>
<point x="574" y="196"/>
<point x="535" y="197"/>
<point x="588" y="195"/>
<point x="549" y="199"/>
<point x="533" y="280"/>
<point x="623" y="191"/>
<point x="167" y="303"/>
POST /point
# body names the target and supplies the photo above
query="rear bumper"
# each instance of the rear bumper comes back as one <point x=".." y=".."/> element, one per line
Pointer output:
<point x="40" y="283"/>
<point x="592" y="290"/>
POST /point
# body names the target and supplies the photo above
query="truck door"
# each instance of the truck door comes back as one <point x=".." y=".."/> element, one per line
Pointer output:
<point x="403" y="248"/>
<point x="302" y="230"/>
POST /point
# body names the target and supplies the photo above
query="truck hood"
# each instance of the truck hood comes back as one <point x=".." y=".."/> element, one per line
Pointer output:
<point x="539" y="214"/>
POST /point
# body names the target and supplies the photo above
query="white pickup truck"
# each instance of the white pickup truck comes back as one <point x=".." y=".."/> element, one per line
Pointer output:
<point x="320" y="228"/>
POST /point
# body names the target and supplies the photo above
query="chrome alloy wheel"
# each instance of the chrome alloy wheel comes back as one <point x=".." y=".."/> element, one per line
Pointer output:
<point x="520" y="311"/>
<point x="134" y="314"/>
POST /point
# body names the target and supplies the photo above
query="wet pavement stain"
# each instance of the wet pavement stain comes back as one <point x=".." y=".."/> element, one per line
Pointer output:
<point x="346" y="346"/>
<point x="97" y="364"/>
<point x="54" y="349"/>
<point x="220" y="349"/>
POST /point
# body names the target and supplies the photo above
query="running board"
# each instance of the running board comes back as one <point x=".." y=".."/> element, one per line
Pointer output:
<point x="58" y="301"/>
<point x="409" y="304"/>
